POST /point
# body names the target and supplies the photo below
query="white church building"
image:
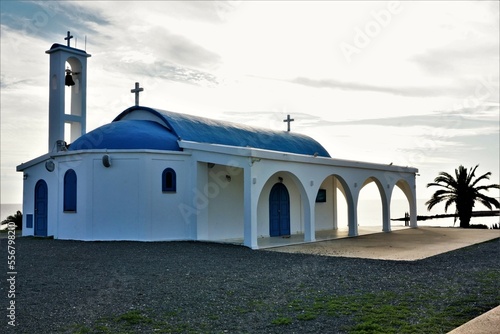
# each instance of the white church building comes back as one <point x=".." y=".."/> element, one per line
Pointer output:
<point x="153" y="175"/>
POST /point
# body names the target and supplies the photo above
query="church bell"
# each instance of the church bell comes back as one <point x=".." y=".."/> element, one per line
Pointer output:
<point x="68" y="80"/>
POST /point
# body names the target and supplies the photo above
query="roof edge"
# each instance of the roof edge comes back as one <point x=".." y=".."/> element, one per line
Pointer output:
<point x="150" y="110"/>
<point x="56" y="47"/>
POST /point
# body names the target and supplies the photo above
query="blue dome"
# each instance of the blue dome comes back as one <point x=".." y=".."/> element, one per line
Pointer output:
<point x="146" y="128"/>
<point x="128" y="134"/>
<point x="205" y="130"/>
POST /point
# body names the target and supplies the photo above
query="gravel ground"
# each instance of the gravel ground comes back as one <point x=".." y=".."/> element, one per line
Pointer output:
<point x="109" y="287"/>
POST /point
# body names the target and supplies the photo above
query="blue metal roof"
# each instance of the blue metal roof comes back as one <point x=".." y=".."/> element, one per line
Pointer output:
<point x="205" y="130"/>
<point x="128" y="134"/>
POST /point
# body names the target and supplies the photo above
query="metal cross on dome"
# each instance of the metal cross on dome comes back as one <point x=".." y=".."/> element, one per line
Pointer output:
<point x="137" y="90"/>
<point x="288" y="120"/>
<point x="68" y="37"/>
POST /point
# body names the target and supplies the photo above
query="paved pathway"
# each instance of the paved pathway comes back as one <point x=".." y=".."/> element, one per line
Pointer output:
<point x="407" y="244"/>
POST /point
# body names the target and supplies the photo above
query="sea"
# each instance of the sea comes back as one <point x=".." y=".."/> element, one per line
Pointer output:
<point x="369" y="213"/>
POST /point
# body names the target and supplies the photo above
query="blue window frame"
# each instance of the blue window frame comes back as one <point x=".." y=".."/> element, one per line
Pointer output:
<point x="29" y="220"/>
<point x="70" y="191"/>
<point x="168" y="180"/>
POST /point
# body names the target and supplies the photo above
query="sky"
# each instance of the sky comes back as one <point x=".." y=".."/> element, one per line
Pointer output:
<point x="412" y="83"/>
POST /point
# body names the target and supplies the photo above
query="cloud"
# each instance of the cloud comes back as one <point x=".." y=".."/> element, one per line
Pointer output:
<point x="482" y="87"/>
<point x="47" y="19"/>
<point x="123" y="26"/>
<point x="5" y="83"/>
<point x="164" y="70"/>
<point x="484" y="117"/>
<point x="410" y="91"/>
<point x="478" y="59"/>
<point x="213" y="11"/>
<point x="180" y="50"/>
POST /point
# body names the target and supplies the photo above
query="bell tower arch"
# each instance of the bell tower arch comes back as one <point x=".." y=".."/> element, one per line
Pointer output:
<point x="67" y="112"/>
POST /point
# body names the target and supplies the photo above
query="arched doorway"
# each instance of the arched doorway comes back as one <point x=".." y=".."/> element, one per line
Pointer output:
<point x="279" y="211"/>
<point x="41" y="204"/>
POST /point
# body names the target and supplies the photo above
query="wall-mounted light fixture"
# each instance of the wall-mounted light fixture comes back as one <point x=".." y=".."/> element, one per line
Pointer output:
<point x="228" y="178"/>
<point x="210" y="165"/>
<point x="50" y="165"/>
<point x="106" y="161"/>
<point x="25" y="176"/>
<point x="280" y="179"/>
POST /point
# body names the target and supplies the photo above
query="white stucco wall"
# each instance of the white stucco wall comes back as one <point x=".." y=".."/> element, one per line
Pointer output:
<point x="225" y="208"/>
<point x="116" y="201"/>
<point x="325" y="211"/>
<point x="130" y="191"/>
<point x="164" y="208"/>
<point x="122" y="202"/>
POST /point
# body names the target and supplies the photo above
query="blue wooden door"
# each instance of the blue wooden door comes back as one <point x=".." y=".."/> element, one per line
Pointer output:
<point x="41" y="201"/>
<point x="279" y="211"/>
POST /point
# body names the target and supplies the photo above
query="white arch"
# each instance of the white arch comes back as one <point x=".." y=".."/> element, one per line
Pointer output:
<point x="298" y="200"/>
<point x="343" y="185"/>
<point x="385" y="199"/>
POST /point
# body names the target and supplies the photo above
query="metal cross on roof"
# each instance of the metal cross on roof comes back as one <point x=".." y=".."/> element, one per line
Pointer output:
<point x="137" y="90"/>
<point x="68" y="37"/>
<point x="288" y="120"/>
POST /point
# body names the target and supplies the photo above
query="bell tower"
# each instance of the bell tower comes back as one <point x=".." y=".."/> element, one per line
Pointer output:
<point x="67" y="114"/>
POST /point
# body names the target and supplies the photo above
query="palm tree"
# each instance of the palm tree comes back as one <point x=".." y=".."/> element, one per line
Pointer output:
<point x="463" y="192"/>
<point x="17" y="219"/>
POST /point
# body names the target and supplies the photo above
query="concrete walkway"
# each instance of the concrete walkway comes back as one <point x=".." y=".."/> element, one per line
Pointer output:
<point x="487" y="323"/>
<point x="407" y="244"/>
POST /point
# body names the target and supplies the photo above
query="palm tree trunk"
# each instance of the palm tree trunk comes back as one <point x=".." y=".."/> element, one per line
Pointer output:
<point x="464" y="214"/>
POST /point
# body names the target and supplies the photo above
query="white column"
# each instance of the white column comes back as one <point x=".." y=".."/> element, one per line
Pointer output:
<point x="413" y="211"/>
<point x="201" y="202"/>
<point x="249" y="209"/>
<point x="386" y="210"/>
<point x="334" y="200"/>
<point x="352" y="209"/>
<point x="386" y="214"/>
<point x="310" y="220"/>
<point x="353" y="221"/>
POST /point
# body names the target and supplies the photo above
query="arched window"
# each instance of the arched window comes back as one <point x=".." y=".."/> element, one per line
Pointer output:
<point x="168" y="180"/>
<point x="70" y="191"/>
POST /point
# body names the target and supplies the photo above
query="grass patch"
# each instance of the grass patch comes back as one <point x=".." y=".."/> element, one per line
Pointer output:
<point x="282" y="321"/>
<point x="306" y="316"/>
<point x="413" y="309"/>
<point x="418" y="311"/>
<point x="80" y="329"/>
<point x="133" y="318"/>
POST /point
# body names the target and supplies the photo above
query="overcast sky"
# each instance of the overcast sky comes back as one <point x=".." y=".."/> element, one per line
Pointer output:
<point x="413" y="83"/>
